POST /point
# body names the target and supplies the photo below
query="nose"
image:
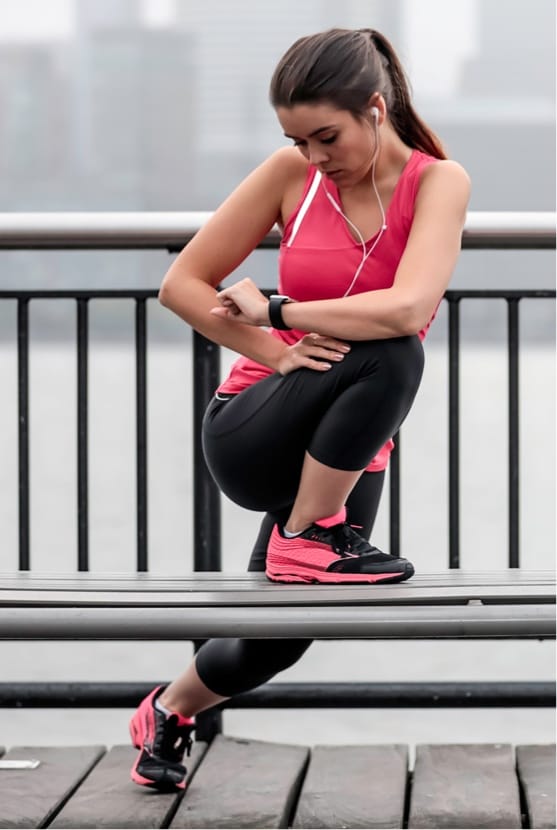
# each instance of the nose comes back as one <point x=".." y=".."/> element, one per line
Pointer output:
<point x="317" y="155"/>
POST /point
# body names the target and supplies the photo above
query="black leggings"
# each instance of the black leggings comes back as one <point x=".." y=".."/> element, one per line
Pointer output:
<point x="255" y="444"/>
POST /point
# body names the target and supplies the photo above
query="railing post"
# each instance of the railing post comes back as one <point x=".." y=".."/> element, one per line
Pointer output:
<point x="514" y="499"/>
<point x="394" y="498"/>
<point x="141" y="430"/>
<point x="454" y="432"/>
<point x="82" y="436"/>
<point x="206" y="495"/>
<point x="23" y="430"/>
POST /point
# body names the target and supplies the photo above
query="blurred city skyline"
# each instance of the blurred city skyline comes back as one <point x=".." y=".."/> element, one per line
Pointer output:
<point x="136" y="105"/>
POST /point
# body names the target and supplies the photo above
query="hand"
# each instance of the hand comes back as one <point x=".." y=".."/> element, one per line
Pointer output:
<point x="313" y="351"/>
<point x="244" y="303"/>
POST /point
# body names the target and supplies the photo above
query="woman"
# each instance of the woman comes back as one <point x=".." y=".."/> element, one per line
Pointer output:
<point x="372" y="214"/>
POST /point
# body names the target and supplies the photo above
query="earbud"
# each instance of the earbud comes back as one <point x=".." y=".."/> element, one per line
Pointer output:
<point x="375" y="113"/>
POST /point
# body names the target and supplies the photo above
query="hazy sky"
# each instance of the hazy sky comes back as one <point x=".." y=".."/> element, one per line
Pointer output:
<point x="452" y="39"/>
<point x="45" y="19"/>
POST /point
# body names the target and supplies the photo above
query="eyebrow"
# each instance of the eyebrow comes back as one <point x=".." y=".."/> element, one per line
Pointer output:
<point x="315" y="132"/>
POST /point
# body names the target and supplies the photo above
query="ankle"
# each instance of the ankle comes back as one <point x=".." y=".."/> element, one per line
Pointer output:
<point x="168" y="704"/>
<point x="292" y="529"/>
<point x="297" y="524"/>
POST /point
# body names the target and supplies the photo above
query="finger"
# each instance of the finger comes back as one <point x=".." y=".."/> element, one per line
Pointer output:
<point x="317" y="365"/>
<point x="324" y="352"/>
<point x="226" y="313"/>
<point x="327" y="342"/>
<point x="219" y="311"/>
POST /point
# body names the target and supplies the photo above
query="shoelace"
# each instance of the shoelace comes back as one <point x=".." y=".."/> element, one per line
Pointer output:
<point x="176" y="739"/>
<point x="344" y="540"/>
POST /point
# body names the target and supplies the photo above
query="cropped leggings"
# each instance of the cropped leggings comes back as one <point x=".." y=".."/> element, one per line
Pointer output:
<point x="255" y="444"/>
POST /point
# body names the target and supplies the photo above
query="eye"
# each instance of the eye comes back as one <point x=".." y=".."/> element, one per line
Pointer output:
<point x="330" y="140"/>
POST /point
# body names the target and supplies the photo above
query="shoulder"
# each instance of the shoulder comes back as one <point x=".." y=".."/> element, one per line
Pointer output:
<point x="445" y="175"/>
<point x="274" y="178"/>
<point x="285" y="164"/>
<point x="444" y="187"/>
<point x="290" y="170"/>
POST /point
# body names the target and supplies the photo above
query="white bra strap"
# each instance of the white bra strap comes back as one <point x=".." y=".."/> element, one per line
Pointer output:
<point x="304" y="207"/>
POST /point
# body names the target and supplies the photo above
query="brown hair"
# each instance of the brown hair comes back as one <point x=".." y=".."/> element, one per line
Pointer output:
<point x="345" y="67"/>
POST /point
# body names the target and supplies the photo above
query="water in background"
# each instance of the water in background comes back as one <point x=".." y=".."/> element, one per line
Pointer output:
<point x="424" y="539"/>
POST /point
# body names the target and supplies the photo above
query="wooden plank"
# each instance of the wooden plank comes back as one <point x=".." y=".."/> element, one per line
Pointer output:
<point x="109" y="799"/>
<point x="465" y="785"/>
<point x="216" y="589"/>
<point x="354" y="786"/>
<point x="243" y="783"/>
<point x="28" y="798"/>
<point x="536" y="771"/>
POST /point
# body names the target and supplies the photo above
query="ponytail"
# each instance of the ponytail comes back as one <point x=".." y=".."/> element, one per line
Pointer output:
<point x="404" y="118"/>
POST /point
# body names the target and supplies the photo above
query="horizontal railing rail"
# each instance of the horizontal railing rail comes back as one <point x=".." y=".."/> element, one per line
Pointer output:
<point x="170" y="231"/>
<point x="353" y="695"/>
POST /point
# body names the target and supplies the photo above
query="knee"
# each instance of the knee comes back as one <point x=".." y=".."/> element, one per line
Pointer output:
<point x="399" y="360"/>
<point x="404" y="362"/>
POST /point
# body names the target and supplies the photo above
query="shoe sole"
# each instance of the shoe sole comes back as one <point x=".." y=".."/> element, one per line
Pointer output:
<point x="309" y="576"/>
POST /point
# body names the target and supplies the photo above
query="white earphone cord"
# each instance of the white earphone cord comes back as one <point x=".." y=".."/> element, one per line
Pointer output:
<point x="365" y="254"/>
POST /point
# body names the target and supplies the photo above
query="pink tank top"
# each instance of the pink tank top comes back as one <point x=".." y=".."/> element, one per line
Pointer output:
<point x="319" y="256"/>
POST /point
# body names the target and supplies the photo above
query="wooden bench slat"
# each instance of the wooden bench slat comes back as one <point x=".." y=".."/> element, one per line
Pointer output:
<point x="109" y="799"/>
<point x="220" y="589"/>
<point x="243" y="783"/>
<point x="536" y="771"/>
<point x="29" y="797"/>
<point x="354" y="786"/>
<point x="464" y="785"/>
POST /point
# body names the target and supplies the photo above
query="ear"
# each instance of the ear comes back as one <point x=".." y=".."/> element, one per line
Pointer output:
<point x="377" y="108"/>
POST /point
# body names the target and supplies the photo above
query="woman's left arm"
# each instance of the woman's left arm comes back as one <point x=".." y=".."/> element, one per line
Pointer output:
<point x="421" y="278"/>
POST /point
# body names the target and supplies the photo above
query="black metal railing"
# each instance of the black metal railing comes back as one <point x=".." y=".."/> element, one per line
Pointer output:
<point x="484" y="231"/>
<point x="206" y="373"/>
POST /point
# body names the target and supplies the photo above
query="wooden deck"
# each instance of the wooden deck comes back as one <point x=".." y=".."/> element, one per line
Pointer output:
<point x="253" y="784"/>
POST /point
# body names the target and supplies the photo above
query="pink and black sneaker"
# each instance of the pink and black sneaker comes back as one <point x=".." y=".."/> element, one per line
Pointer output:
<point x="162" y="740"/>
<point x="331" y="554"/>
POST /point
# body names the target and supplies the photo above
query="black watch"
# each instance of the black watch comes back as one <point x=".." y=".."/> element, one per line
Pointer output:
<point x="275" y="311"/>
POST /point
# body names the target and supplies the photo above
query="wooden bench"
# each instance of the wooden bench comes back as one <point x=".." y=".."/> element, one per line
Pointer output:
<point x="240" y="783"/>
<point x="452" y="604"/>
<point x="246" y="783"/>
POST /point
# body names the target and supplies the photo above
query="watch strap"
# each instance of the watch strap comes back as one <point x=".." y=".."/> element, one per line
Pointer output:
<point x="276" y="301"/>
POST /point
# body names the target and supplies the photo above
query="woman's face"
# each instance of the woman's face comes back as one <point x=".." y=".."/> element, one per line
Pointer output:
<point x="333" y="140"/>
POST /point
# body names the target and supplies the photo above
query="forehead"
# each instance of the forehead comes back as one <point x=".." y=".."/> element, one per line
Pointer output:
<point x="303" y="119"/>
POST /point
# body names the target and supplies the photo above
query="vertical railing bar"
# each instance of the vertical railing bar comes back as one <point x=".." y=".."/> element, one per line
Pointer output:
<point x="454" y="433"/>
<point x="514" y="496"/>
<point x="23" y="431"/>
<point x="394" y="498"/>
<point x="82" y="436"/>
<point x="141" y="430"/>
<point x="206" y="495"/>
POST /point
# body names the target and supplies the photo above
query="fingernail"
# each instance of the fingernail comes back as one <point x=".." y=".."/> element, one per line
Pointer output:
<point x="345" y="348"/>
<point x="327" y="366"/>
<point x="338" y="357"/>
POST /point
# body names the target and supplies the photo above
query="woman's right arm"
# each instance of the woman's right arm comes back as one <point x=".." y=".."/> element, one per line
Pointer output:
<point x="219" y="247"/>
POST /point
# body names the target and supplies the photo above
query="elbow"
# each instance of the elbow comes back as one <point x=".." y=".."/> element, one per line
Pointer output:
<point x="410" y="319"/>
<point x="166" y="292"/>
